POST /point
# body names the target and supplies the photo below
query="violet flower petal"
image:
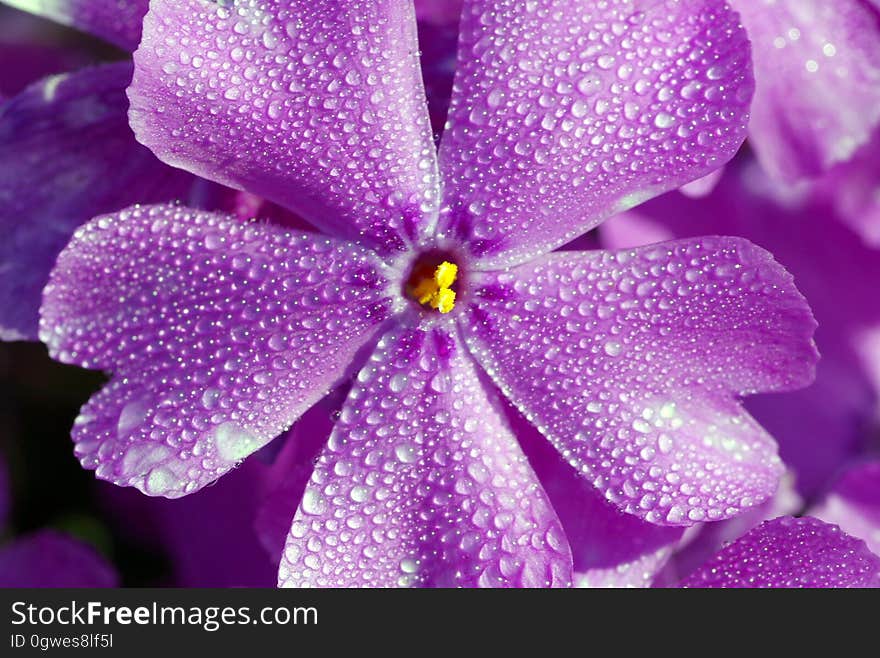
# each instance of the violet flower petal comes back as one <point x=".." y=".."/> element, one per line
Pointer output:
<point x="422" y="483"/>
<point x="566" y="113"/>
<point x="115" y="21"/>
<point x="817" y="71"/>
<point x="631" y="363"/>
<point x="789" y="553"/>
<point x="51" y="559"/>
<point x="219" y="335"/>
<point x="66" y="155"/>
<point x="317" y="105"/>
<point x="290" y="472"/>
<point x="609" y="548"/>
<point x="704" y="540"/>
<point x="822" y="426"/>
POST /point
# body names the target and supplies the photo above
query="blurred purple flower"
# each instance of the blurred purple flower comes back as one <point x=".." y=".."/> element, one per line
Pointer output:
<point x="115" y="21"/>
<point x="208" y="538"/>
<point x="67" y="154"/>
<point x="852" y="189"/>
<point x="29" y="52"/>
<point x="48" y="558"/>
<point x="221" y="334"/>
<point x="817" y="82"/>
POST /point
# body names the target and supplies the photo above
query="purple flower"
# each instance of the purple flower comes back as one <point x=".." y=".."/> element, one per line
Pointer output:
<point x="434" y="281"/>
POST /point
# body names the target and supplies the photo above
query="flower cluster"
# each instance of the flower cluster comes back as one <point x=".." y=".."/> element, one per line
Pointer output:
<point x="256" y="228"/>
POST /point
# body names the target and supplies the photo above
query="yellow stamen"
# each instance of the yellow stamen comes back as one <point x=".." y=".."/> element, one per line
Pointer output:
<point x="445" y="274"/>
<point x="437" y="291"/>
<point x="444" y="300"/>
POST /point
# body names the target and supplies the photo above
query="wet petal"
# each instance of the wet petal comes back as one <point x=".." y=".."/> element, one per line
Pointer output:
<point x="116" y="21"/>
<point x="817" y="71"/>
<point x="290" y="473"/>
<point x="66" y="155"/>
<point x="566" y="113"/>
<point x="702" y="541"/>
<point x="315" y="104"/>
<point x="791" y="553"/>
<point x="219" y="335"/>
<point x="821" y="427"/>
<point x="609" y="548"/>
<point x="422" y="483"/>
<point x="51" y="559"/>
<point x="631" y="363"/>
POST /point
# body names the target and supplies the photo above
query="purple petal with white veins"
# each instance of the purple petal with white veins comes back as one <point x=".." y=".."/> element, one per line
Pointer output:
<point x="631" y="363"/>
<point x="219" y="335"/>
<point x="51" y="559"/>
<point x="116" y="21"/>
<point x="317" y="105"/>
<point x="66" y="155"/>
<point x="791" y="553"/>
<point x="566" y="113"/>
<point x="854" y="504"/>
<point x="423" y="484"/>
<point x="817" y="71"/>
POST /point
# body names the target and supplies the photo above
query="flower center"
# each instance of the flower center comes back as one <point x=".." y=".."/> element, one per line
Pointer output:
<point x="431" y="284"/>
